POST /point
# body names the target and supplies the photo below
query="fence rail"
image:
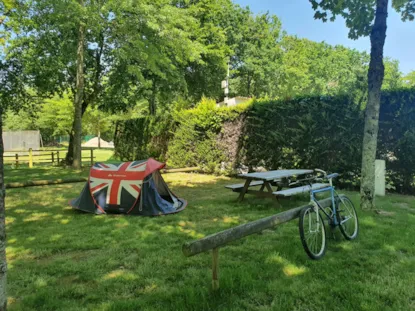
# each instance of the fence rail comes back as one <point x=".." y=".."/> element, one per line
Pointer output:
<point x="44" y="156"/>
<point x="220" y="239"/>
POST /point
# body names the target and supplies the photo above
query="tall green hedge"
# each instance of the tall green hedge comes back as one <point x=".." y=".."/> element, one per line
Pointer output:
<point x="305" y="132"/>
<point x="396" y="143"/>
<point x="143" y="137"/>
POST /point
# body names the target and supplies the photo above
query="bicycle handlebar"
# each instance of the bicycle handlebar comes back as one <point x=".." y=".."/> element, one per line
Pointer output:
<point x="321" y="171"/>
<point x="315" y="178"/>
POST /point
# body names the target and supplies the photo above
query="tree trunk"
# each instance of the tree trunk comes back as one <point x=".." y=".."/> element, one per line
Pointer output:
<point x="99" y="139"/>
<point x="69" y="154"/>
<point x="375" y="79"/>
<point x="152" y="102"/>
<point x="3" y="262"/>
<point x="87" y="100"/>
<point x="77" y="130"/>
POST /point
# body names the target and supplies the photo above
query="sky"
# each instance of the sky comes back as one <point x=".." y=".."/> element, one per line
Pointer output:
<point x="297" y="19"/>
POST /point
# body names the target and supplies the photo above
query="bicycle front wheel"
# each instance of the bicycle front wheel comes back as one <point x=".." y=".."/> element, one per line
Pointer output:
<point x="347" y="218"/>
<point x="312" y="233"/>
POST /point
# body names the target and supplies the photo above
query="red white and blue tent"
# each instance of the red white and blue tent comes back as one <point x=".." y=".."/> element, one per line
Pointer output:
<point x="134" y="188"/>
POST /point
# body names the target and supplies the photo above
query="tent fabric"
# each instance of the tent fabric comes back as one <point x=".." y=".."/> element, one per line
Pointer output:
<point x="135" y="188"/>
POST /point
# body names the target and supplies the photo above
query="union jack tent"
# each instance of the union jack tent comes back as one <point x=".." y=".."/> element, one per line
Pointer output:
<point x="134" y="188"/>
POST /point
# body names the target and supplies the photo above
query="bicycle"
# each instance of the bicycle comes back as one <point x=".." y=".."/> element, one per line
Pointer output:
<point x="341" y="213"/>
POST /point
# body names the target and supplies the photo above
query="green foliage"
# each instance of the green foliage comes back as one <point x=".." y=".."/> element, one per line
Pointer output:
<point x="143" y="137"/>
<point x="257" y="56"/>
<point x="359" y="15"/>
<point x="54" y="117"/>
<point x="318" y="68"/>
<point x="304" y="132"/>
<point x="393" y="77"/>
<point x="409" y="80"/>
<point x="195" y="141"/>
<point x="397" y="138"/>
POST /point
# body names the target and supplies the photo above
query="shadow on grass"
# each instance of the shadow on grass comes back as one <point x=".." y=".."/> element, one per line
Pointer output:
<point x="60" y="258"/>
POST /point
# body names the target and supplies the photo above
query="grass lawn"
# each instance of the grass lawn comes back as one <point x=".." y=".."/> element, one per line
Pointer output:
<point x="61" y="259"/>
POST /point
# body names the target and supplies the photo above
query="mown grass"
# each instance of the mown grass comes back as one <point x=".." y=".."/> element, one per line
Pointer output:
<point x="47" y="171"/>
<point x="61" y="259"/>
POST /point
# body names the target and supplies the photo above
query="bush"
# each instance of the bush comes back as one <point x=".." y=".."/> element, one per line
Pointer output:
<point x="144" y="137"/>
<point x="195" y="142"/>
<point x="306" y="132"/>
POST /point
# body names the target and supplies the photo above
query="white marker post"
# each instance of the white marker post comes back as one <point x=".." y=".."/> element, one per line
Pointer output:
<point x="380" y="183"/>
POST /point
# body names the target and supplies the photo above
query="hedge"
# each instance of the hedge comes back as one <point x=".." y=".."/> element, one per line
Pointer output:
<point x="304" y="132"/>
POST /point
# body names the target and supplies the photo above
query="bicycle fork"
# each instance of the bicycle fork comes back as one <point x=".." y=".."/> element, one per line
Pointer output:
<point x="315" y="207"/>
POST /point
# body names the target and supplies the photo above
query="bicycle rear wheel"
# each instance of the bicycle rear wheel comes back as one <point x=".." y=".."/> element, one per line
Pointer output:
<point x="312" y="233"/>
<point x="347" y="218"/>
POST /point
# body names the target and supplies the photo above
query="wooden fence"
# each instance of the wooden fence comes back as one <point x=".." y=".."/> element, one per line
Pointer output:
<point x="53" y="157"/>
<point x="220" y="239"/>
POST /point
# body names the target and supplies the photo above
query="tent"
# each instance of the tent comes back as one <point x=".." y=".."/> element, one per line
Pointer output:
<point x="134" y="188"/>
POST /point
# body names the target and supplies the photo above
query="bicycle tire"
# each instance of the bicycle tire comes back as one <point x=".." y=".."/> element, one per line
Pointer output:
<point x="346" y="210"/>
<point x="306" y="225"/>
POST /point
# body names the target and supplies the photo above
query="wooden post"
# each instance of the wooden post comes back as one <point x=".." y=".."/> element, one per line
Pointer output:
<point x="30" y="157"/>
<point x="17" y="160"/>
<point x="215" y="268"/>
<point x="34" y="183"/>
<point x="57" y="157"/>
<point x="53" y="158"/>
<point x="92" y="157"/>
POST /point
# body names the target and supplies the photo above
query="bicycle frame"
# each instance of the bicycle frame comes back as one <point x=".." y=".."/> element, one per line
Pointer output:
<point x="314" y="202"/>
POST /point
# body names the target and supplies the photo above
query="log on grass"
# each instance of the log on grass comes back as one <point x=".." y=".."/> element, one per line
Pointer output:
<point x="218" y="239"/>
<point x="180" y="170"/>
<point x="34" y="183"/>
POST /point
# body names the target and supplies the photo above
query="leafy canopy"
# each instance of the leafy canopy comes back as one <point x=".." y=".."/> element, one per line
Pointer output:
<point x="359" y="15"/>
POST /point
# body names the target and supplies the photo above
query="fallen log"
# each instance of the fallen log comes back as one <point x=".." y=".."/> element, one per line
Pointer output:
<point x="180" y="170"/>
<point x="34" y="183"/>
<point x="227" y="236"/>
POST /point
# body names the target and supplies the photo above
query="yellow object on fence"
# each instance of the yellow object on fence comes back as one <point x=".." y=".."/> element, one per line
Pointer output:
<point x="30" y="157"/>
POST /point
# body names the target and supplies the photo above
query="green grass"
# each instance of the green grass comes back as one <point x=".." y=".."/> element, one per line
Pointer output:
<point x="60" y="259"/>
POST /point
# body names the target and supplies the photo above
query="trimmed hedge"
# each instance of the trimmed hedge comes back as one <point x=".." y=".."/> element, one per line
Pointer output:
<point x="142" y="138"/>
<point x="306" y="132"/>
<point x="195" y="140"/>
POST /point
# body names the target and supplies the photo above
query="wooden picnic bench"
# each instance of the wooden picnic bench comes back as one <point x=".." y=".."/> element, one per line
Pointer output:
<point x="276" y="178"/>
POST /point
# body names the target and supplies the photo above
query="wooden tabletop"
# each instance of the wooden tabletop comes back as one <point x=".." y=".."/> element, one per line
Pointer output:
<point x="277" y="174"/>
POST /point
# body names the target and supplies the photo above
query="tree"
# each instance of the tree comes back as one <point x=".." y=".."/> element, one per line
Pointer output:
<point x="367" y="18"/>
<point x="12" y="94"/>
<point x="257" y="57"/>
<point x="155" y="42"/>
<point x="318" y="68"/>
<point x="50" y="37"/>
<point x="393" y="76"/>
<point x="409" y="79"/>
<point x="79" y="93"/>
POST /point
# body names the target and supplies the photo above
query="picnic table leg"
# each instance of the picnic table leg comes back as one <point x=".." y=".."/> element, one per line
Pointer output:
<point x="246" y="186"/>
<point x="266" y="183"/>
<point x="262" y="188"/>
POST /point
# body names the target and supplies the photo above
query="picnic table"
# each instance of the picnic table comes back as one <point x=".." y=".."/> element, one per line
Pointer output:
<point x="268" y="180"/>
